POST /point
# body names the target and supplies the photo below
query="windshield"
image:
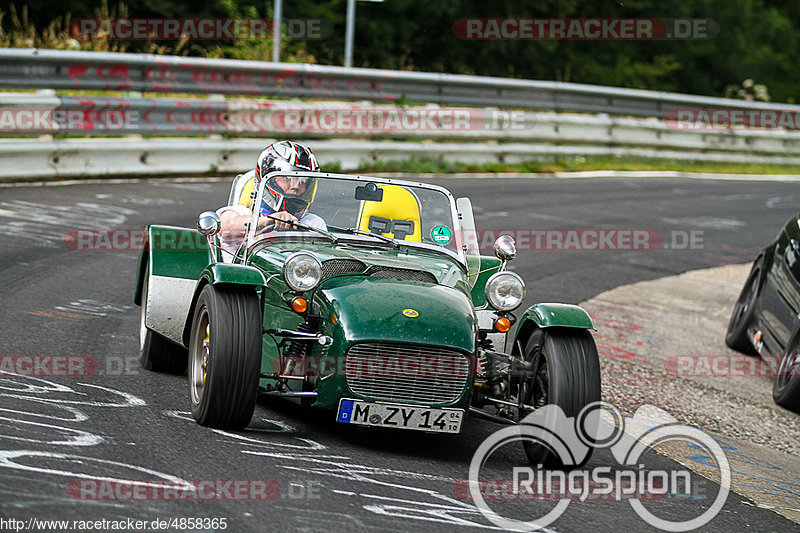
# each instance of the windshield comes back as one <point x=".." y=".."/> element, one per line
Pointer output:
<point x="366" y="211"/>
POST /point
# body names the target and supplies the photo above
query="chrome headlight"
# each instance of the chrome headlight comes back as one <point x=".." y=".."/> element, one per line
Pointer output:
<point x="302" y="271"/>
<point x="505" y="290"/>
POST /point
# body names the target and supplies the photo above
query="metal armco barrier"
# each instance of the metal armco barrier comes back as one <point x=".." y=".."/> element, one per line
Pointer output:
<point x="467" y="119"/>
<point x="102" y="158"/>
<point x="104" y="116"/>
<point x="56" y="69"/>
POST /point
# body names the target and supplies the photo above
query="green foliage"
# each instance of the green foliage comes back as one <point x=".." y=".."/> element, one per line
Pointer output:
<point x="750" y="91"/>
<point x="18" y="30"/>
<point x="641" y="75"/>
<point x="334" y="166"/>
<point x="413" y="164"/>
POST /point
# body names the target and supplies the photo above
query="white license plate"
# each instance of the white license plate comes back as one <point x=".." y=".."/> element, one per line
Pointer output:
<point x="400" y="416"/>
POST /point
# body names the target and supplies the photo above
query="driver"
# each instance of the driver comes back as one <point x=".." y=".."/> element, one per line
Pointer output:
<point x="286" y="198"/>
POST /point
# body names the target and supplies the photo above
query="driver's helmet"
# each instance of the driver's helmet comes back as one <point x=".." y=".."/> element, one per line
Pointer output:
<point x="286" y="193"/>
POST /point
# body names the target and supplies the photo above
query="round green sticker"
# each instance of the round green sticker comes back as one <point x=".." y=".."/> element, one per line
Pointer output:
<point x="441" y="234"/>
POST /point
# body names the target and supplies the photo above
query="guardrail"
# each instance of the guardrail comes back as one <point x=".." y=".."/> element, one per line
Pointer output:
<point x="106" y="71"/>
<point x="85" y="158"/>
<point x="507" y="131"/>
<point x="104" y="116"/>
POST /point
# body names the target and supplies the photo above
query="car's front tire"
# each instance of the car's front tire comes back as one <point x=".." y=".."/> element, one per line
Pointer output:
<point x="742" y="316"/>
<point x="786" y="389"/>
<point x="225" y="357"/>
<point x="155" y="352"/>
<point x="566" y="373"/>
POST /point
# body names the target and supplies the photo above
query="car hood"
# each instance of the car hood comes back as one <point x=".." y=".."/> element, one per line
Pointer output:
<point x="398" y="311"/>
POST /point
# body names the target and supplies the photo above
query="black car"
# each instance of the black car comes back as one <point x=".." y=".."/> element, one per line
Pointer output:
<point x="766" y="317"/>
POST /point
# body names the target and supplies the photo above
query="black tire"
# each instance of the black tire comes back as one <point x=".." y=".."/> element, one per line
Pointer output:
<point x="226" y="335"/>
<point x="742" y="316"/>
<point x="567" y="374"/>
<point x="786" y="389"/>
<point x="155" y="352"/>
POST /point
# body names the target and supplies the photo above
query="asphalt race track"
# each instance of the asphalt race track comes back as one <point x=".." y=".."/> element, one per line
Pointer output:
<point x="124" y="423"/>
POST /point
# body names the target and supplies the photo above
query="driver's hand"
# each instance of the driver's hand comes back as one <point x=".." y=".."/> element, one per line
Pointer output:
<point x="283" y="216"/>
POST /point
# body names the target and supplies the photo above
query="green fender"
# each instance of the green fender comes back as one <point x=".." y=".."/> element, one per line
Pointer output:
<point x="549" y="315"/>
<point x="226" y="275"/>
<point x="489" y="266"/>
<point x="172" y="252"/>
<point x="233" y="274"/>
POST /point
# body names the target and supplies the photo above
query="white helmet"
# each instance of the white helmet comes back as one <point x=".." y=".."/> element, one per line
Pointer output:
<point x="287" y="156"/>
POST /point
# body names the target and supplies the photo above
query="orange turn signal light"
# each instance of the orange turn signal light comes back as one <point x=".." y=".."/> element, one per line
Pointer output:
<point x="502" y="324"/>
<point x="299" y="305"/>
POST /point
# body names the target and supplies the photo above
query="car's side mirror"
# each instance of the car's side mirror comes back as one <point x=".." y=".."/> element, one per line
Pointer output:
<point x="209" y="223"/>
<point x="505" y="248"/>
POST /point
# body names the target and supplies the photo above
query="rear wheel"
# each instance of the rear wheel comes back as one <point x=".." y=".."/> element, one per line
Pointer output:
<point x="155" y="352"/>
<point x="736" y="337"/>
<point x="566" y="373"/>
<point x="786" y="390"/>
<point x="225" y="357"/>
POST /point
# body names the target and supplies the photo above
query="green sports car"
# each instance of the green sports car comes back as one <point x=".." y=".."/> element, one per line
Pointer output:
<point x="387" y="317"/>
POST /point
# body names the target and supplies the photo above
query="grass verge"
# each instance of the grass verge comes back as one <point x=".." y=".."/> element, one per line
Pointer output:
<point x="424" y="165"/>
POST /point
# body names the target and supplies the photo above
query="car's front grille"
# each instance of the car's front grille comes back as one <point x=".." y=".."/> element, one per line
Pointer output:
<point x="400" y="273"/>
<point x="334" y="267"/>
<point x="406" y="373"/>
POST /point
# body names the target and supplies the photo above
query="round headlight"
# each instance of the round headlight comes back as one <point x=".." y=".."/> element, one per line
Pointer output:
<point x="302" y="271"/>
<point x="505" y="290"/>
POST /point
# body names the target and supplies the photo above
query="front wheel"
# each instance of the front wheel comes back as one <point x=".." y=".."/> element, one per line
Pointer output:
<point x="736" y="337"/>
<point x="786" y="390"/>
<point x="225" y="357"/>
<point x="566" y="373"/>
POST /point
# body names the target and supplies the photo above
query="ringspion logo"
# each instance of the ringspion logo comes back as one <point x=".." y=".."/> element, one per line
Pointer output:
<point x="571" y="440"/>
